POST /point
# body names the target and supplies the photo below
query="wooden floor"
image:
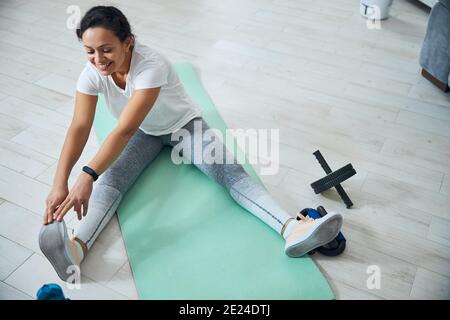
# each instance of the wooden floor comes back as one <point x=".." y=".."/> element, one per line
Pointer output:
<point x="311" y="68"/>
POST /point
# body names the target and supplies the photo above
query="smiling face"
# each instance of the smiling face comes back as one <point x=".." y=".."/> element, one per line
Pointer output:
<point x="105" y="51"/>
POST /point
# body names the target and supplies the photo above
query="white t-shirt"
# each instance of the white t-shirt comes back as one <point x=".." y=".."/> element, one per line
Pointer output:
<point x="148" y="69"/>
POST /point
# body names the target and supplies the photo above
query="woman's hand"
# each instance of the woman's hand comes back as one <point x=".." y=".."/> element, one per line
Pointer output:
<point x="77" y="198"/>
<point x="54" y="199"/>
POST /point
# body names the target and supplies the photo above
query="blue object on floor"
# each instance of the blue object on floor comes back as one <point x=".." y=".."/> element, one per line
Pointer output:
<point x="51" y="291"/>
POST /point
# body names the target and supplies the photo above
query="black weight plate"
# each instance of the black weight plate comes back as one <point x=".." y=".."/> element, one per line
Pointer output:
<point x="333" y="179"/>
<point x="333" y="251"/>
<point x="322" y="211"/>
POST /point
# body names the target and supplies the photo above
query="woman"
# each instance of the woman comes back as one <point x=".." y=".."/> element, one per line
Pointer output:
<point x="144" y="93"/>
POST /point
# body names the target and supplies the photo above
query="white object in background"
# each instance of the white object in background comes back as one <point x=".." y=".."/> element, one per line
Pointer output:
<point x="375" y="9"/>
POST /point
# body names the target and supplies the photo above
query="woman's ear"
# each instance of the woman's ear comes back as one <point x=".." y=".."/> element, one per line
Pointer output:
<point x="129" y="43"/>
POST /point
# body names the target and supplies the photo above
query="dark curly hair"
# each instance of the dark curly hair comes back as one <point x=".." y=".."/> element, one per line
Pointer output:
<point x="108" y="17"/>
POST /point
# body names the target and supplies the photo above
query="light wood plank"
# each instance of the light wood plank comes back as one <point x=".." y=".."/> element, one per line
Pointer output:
<point x="433" y="110"/>
<point x="10" y="127"/>
<point x="416" y="197"/>
<point x="430" y="285"/>
<point x="29" y="28"/>
<point x="13" y="3"/>
<point x="21" y="225"/>
<point x="445" y="189"/>
<point x="46" y="141"/>
<point x="440" y="231"/>
<point x="400" y="244"/>
<point x="34" y="114"/>
<point x="424" y="123"/>
<point x="43" y="272"/>
<point x="32" y="93"/>
<point x="205" y="27"/>
<point x="344" y="291"/>
<point x="21" y="71"/>
<point x="404" y="76"/>
<point x="53" y="65"/>
<point x="322" y="9"/>
<point x="123" y="282"/>
<point x="54" y="10"/>
<point x="12" y="256"/>
<point x="384" y="124"/>
<point x="23" y="191"/>
<point x="396" y="276"/>
<point x="10" y="293"/>
<point x="426" y="91"/>
<point x="37" y="45"/>
<point x="64" y="85"/>
<point x="23" y="16"/>
<point x="23" y="160"/>
<point x="10" y="51"/>
<point x="421" y="157"/>
<point x="381" y="99"/>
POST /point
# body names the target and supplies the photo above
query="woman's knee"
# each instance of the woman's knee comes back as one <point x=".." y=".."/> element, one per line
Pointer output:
<point x="225" y="174"/>
<point x="138" y="153"/>
<point x="115" y="177"/>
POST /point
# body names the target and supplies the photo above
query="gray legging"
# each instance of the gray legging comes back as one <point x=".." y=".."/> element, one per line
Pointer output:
<point x="142" y="148"/>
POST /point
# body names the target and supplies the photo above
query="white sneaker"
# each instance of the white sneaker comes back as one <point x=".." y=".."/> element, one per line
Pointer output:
<point x="55" y="244"/>
<point x="310" y="233"/>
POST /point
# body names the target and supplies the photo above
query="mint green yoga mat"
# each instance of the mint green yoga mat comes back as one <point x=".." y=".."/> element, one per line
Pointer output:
<point x="186" y="238"/>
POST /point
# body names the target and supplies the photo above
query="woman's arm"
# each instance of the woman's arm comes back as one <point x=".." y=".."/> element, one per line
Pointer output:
<point x="130" y="119"/>
<point x="74" y="143"/>
<point x="76" y="136"/>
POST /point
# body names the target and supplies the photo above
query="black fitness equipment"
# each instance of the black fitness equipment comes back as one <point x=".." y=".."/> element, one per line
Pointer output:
<point x="333" y="179"/>
<point x="333" y="248"/>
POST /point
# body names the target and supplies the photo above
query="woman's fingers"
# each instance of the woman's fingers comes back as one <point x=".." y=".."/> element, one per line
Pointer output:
<point x="65" y="207"/>
<point x="85" y="208"/>
<point x="77" y="208"/>
<point x="48" y="216"/>
<point x="61" y="207"/>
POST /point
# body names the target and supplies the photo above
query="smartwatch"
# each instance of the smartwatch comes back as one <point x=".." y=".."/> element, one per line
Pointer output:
<point x="90" y="172"/>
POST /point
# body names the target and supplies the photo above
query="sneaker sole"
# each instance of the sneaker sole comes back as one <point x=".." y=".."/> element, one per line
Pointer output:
<point x="52" y="238"/>
<point x="319" y="236"/>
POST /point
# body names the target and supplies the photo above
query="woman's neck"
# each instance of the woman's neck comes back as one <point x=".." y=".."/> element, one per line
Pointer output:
<point x="125" y="68"/>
